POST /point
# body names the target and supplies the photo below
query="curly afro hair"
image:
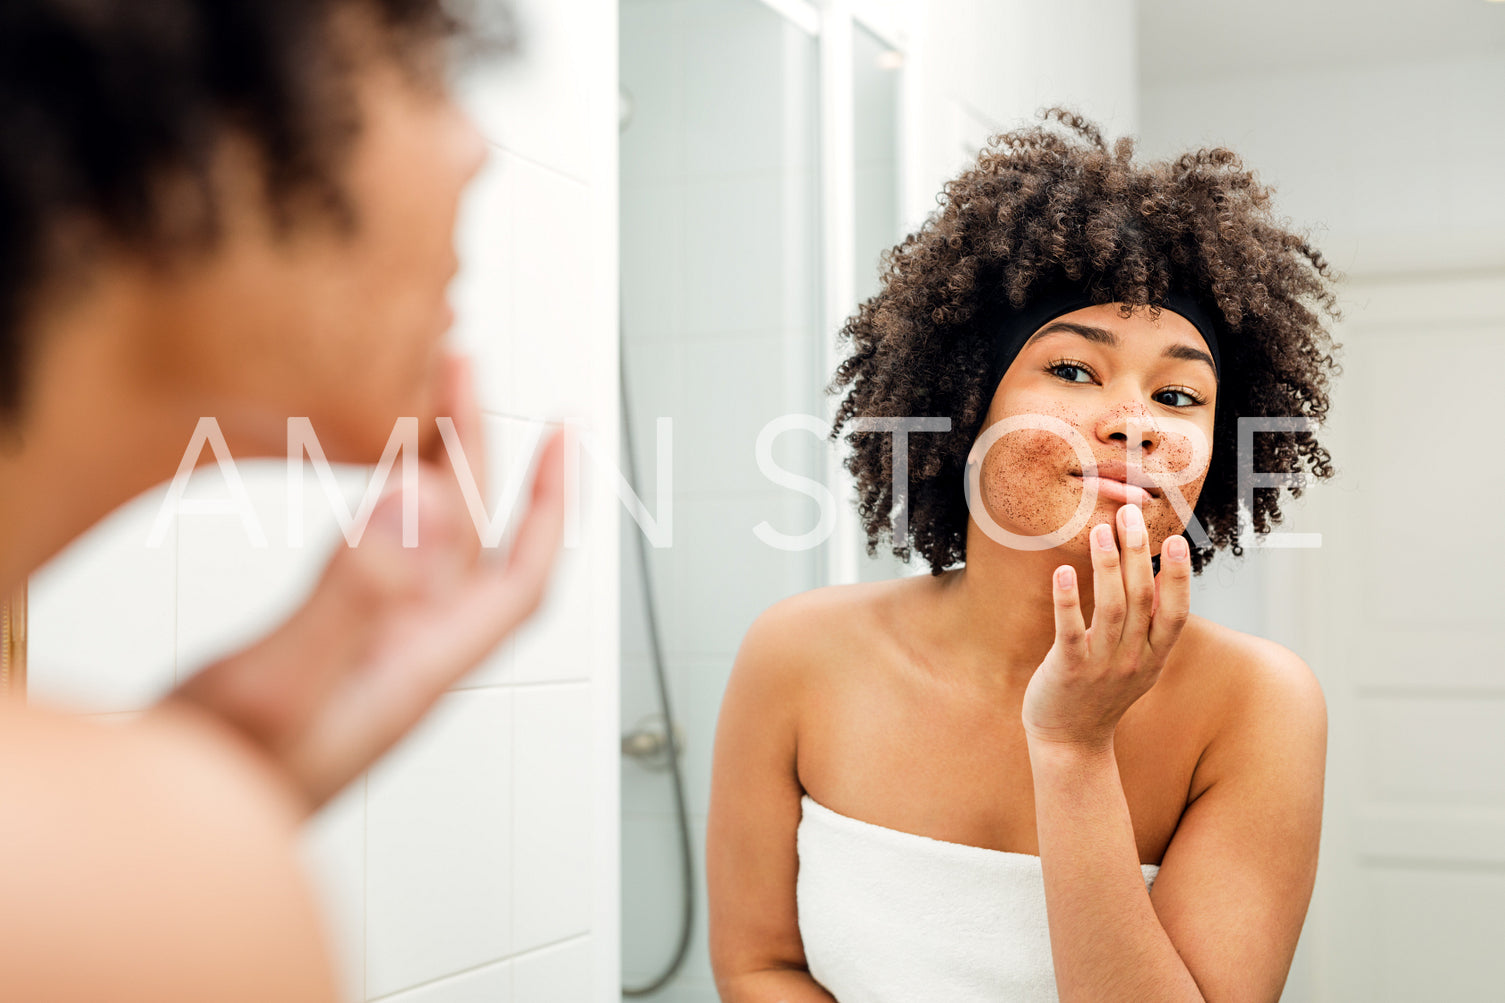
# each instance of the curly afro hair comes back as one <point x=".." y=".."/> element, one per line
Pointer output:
<point x="1045" y="206"/>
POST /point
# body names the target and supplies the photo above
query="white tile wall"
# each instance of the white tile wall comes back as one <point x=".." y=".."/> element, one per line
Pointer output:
<point x="488" y="984"/>
<point x="729" y="125"/>
<point x="715" y="534"/>
<point x="557" y="644"/>
<point x="101" y="616"/>
<point x="699" y="683"/>
<point x="651" y="904"/>
<point x="738" y="386"/>
<point x="439" y="845"/>
<point x="733" y="234"/>
<point x="482" y="293"/>
<point x="651" y="890"/>
<point x="478" y="862"/>
<point x="559" y="365"/>
<point x="635" y="639"/>
<point x="653" y="250"/>
<point x="559" y="973"/>
<point x="554" y="814"/>
<point x="547" y="103"/>
<point x="653" y="59"/>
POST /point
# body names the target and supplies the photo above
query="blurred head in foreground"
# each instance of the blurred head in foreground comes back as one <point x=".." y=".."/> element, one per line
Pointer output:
<point x="238" y="208"/>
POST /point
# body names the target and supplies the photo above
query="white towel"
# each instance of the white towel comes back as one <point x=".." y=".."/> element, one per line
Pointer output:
<point x="892" y="917"/>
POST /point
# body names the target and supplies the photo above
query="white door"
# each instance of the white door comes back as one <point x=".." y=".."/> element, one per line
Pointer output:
<point x="1401" y="611"/>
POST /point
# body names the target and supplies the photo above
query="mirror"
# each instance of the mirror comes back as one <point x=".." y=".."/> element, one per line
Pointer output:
<point x="1380" y="130"/>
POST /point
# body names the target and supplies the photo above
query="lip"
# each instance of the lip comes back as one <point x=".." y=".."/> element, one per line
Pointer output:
<point x="1116" y="490"/>
<point x="1120" y="471"/>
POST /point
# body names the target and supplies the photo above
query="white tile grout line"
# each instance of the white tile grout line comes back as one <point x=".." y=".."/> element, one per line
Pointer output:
<point x="512" y="823"/>
<point x="534" y="162"/>
<point x="365" y="874"/>
<point x="509" y="959"/>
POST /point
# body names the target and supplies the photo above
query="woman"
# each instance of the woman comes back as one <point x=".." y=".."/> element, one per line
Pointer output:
<point x="1037" y="775"/>
<point x="241" y="209"/>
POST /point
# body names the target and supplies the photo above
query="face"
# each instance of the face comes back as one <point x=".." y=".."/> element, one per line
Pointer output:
<point x="343" y="328"/>
<point x="1136" y="393"/>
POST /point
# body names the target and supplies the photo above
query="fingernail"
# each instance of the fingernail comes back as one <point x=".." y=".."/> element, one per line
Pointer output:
<point x="1133" y="526"/>
<point x="1065" y="576"/>
<point x="1102" y="536"/>
<point x="1176" y="548"/>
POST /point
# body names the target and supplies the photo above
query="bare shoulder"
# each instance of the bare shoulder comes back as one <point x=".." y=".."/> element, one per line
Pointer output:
<point x="1268" y="702"/>
<point x="796" y="649"/>
<point x="1251" y="673"/>
<point x="157" y="850"/>
<point x="812" y="629"/>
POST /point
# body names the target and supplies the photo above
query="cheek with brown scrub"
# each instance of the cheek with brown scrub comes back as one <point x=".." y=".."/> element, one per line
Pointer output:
<point x="1025" y="481"/>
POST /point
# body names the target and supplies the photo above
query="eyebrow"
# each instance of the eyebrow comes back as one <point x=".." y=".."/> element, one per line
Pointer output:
<point x="1103" y="336"/>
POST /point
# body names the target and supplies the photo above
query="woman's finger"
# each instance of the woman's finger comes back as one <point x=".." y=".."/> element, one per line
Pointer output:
<point x="1175" y="596"/>
<point x="1139" y="574"/>
<point x="1071" y="631"/>
<point x="1107" y="592"/>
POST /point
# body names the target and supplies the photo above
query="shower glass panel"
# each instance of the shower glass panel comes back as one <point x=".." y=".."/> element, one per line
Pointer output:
<point x="876" y="71"/>
<point x="721" y="300"/>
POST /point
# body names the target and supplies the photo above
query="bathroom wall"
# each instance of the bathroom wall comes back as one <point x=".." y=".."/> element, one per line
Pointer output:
<point x="1394" y="165"/>
<point x="479" y="859"/>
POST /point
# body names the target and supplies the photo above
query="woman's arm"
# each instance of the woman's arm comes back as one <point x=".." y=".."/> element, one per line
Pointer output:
<point x="1233" y="888"/>
<point x="751" y="859"/>
<point x="1105" y="940"/>
<point x="1235" y="881"/>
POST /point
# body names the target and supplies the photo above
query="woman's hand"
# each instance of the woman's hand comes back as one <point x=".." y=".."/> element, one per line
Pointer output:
<point x="1091" y="676"/>
<point x="388" y="629"/>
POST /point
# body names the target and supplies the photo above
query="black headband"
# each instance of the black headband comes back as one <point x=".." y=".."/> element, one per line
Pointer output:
<point x="1019" y="325"/>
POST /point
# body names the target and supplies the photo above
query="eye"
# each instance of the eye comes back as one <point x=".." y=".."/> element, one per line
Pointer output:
<point x="1192" y="400"/>
<point x="1071" y="370"/>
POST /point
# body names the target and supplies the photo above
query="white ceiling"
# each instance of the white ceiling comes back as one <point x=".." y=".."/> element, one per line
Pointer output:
<point x="1186" y="39"/>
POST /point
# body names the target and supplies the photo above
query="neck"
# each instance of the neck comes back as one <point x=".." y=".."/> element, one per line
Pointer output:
<point x="997" y="611"/>
<point x="91" y="435"/>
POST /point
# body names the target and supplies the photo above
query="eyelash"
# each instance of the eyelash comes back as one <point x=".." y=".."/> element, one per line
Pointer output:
<point x="1197" y="398"/>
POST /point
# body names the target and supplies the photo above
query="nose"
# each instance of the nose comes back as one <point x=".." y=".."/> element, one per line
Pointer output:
<point x="1132" y="425"/>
